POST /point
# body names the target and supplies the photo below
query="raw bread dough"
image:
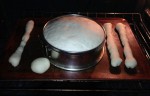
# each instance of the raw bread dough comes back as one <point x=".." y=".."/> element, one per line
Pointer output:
<point x="74" y="33"/>
<point x="112" y="47"/>
<point x="15" y="58"/>
<point x="40" y="65"/>
<point x="130" y="61"/>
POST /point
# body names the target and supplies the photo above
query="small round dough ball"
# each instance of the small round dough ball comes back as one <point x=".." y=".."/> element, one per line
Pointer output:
<point x="40" y="65"/>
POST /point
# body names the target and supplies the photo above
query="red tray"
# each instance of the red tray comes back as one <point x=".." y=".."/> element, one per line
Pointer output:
<point x="102" y="71"/>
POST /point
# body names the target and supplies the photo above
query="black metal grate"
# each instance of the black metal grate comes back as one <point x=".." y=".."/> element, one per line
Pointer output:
<point x="105" y="88"/>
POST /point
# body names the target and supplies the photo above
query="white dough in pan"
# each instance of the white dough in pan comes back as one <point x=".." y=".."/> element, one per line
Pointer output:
<point x="74" y="34"/>
<point x="112" y="48"/>
<point x="130" y="61"/>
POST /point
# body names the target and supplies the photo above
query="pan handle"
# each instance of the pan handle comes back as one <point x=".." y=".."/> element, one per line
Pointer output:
<point x="51" y="53"/>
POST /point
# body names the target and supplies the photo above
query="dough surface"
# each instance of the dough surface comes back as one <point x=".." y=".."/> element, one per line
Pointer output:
<point x="73" y="33"/>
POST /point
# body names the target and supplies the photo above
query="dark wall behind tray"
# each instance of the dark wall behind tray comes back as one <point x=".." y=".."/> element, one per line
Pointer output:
<point x="14" y="9"/>
<point x="17" y="6"/>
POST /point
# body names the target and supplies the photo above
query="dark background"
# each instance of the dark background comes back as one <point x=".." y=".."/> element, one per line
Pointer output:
<point x="17" y="7"/>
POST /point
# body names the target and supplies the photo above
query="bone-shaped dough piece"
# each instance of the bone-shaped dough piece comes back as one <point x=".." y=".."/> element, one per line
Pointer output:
<point x="112" y="47"/>
<point x="130" y="61"/>
<point x="16" y="56"/>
